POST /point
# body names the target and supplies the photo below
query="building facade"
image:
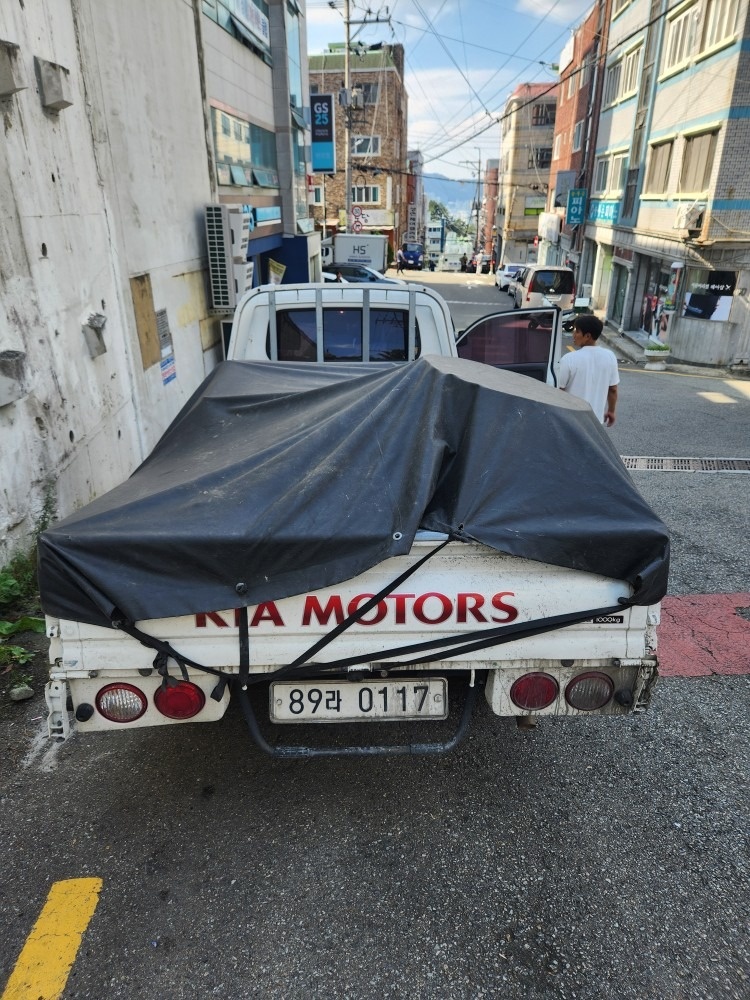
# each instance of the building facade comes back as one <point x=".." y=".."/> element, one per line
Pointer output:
<point x="526" y="155"/>
<point x="122" y="123"/>
<point x="668" y="224"/>
<point x="574" y="143"/>
<point x="378" y="141"/>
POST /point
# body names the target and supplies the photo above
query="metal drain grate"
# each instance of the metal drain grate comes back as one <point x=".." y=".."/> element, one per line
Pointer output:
<point x="650" y="463"/>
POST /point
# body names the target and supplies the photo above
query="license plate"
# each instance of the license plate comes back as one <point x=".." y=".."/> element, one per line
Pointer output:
<point x="359" y="701"/>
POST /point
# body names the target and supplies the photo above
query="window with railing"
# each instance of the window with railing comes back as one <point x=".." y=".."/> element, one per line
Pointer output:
<point x="366" y="194"/>
<point x="659" y="162"/>
<point x="618" y="172"/>
<point x="365" y="145"/>
<point x="612" y="83"/>
<point x="697" y="162"/>
<point x="584" y="73"/>
<point x="720" y="22"/>
<point x="540" y="157"/>
<point x="630" y="66"/>
<point x="601" y="174"/>
<point x="543" y="114"/>
<point x="680" y="41"/>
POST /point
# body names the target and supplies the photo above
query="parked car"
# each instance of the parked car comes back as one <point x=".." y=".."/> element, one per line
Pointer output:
<point x="333" y="275"/>
<point x="485" y="263"/>
<point x="359" y="273"/>
<point x="504" y="274"/>
<point x="544" y="285"/>
<point x="516" y="279"/>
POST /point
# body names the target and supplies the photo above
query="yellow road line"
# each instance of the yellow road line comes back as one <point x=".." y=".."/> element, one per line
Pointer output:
<point x="46" y="959"/>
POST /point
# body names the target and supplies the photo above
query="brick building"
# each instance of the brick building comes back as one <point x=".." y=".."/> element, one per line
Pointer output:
<point x="574" y="144"/>
<point x="378" y="140"/>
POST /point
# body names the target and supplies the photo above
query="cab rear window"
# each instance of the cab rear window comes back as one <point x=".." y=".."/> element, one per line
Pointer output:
<point x="343" y="339"/>
<point x="555" y="282"/>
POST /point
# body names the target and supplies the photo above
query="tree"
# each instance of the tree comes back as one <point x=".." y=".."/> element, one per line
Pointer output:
<point x="460" y="227"/>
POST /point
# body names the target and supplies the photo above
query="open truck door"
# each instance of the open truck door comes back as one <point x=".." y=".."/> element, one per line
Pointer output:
<point x="526" y="341"/>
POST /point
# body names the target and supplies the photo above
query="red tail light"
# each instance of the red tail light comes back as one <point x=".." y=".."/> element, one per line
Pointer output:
<point x="573" y="292"/>
<point x="533" y="692"/>
<point x="182" y="700"/>
<point x="590" y="691"/>
<point x="121" y="702"/>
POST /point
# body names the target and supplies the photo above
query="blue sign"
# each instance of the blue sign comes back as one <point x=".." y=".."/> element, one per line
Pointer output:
<point x="323" y="139"/>
<point x="604" y="211"/>
<point x="575" y="213"/>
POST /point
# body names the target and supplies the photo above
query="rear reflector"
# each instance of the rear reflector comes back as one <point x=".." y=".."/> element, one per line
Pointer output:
<point x="533" y="692"/>
<point x="590" y="691"/>
<point x="121" y="703"/>
<point x="182" y="700"/>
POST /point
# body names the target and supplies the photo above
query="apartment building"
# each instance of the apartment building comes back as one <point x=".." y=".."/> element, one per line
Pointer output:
<point x="122" y="123"/>
<point x="668" y="224"/>
<point x="526" y="152"/>
<point x="378" y="140"/>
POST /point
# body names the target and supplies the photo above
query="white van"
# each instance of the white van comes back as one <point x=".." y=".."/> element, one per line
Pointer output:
<point x="543" y="285"/>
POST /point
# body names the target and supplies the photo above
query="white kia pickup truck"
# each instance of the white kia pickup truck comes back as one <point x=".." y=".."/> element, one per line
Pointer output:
<point x="352" y="544"/>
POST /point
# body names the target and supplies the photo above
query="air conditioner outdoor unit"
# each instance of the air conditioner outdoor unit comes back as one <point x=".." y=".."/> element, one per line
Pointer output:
<point x="689" y="216"/>
<point x="227" y="233"/>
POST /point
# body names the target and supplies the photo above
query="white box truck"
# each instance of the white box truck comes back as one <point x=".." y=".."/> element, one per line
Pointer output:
<point x="363" y="248"/>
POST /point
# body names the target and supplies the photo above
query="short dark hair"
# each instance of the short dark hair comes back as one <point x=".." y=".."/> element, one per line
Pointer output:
<point x="588" y="323"/>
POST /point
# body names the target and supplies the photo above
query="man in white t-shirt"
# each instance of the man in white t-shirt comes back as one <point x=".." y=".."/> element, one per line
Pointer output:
<point x="591" y="372"/>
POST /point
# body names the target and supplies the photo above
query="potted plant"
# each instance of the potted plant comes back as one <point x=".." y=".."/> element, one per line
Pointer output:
<point x="656" y="354"/>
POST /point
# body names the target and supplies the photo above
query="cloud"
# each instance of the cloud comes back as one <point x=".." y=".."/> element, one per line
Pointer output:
<point x="561" y="11"/>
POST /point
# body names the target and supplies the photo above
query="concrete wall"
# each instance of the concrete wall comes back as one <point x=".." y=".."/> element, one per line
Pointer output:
<point x="107" y="189"/>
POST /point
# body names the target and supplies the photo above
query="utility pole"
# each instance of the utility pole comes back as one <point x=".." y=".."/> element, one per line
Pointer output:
<point x="479" y="191"/>
<point x="347" y="115"/>
<point x="346" y="98"/>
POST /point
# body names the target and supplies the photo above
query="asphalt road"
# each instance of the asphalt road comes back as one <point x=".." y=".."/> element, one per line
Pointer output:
<point x="589" y="859"/>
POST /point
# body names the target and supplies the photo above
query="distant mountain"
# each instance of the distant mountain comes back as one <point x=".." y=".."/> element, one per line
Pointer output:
<point x="457" y="196"/>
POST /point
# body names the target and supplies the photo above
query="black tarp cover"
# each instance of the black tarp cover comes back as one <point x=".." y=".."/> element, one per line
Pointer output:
<point x="288" y="478"/>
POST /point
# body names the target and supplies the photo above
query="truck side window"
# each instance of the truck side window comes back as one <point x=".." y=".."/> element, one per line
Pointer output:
<point x="295" y="331"/>
<point x="389" y="335"/>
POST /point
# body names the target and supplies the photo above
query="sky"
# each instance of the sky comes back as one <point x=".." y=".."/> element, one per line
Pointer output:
<point x="463" y="60"/>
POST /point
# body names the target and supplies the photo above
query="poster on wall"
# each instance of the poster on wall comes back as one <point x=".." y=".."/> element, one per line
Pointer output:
<point x="709" y="294"/>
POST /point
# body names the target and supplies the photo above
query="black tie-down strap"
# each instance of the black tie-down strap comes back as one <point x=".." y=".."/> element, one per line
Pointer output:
<point x="450" y="645"/>
<point x="166" y="652"/>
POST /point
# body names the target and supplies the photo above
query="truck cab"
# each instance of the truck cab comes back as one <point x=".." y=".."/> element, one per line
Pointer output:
<point x="334" y="323"/>
<point x="413" y="256"/>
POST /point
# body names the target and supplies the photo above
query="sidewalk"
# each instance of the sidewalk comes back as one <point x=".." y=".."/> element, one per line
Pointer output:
<point x="629" y="346"/>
